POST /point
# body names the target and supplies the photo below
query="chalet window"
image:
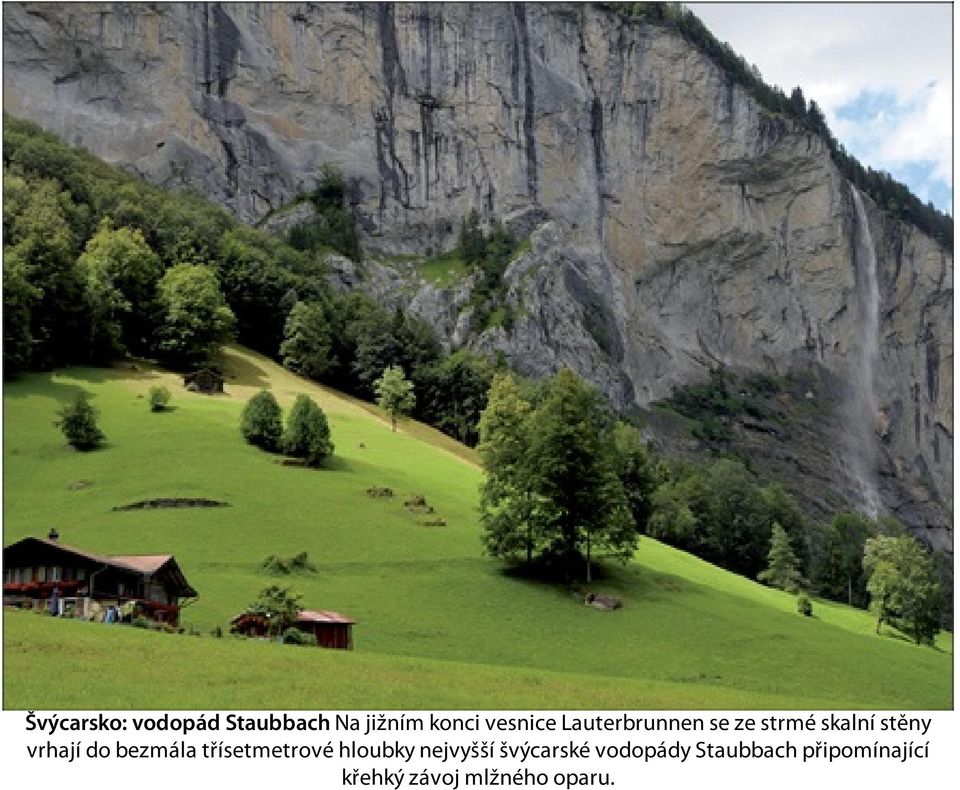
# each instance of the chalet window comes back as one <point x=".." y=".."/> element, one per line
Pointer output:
<point x="42" y="573"/>
<point x="121" y="589"/>
<point x="69" y="574"/>
<point x="56" y="573"/>
<point x="7" y="575"/>
<point x="81" y="574"/>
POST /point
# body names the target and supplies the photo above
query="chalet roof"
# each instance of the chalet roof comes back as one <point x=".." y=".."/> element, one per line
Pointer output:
<point x="145" y="563"/>
<point x="137" y="563"/>
<point x="248" y="616"/>
<point x="309" y="616"/>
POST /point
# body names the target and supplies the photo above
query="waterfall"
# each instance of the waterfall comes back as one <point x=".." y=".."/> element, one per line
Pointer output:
<point x="863" y="410"/>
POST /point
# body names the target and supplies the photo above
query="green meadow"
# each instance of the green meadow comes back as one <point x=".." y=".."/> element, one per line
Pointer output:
<point x="439" y="624"/>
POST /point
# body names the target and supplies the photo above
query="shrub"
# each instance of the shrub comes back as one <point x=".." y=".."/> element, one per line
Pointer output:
<point x="158" y="397"/>
<point x="261" y="421"/>
<point x="294" y="636"/>
<point x="78" y="421"/>
<point x="301" y="563"/>
<point x="141" y="622"/>
<point x="804" y="606"/>
<point x="282" y="566"/>
<point x="307" y="434"/>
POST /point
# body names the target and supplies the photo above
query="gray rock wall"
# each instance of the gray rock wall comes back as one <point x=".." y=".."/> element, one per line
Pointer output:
<point x="678" y="226"/>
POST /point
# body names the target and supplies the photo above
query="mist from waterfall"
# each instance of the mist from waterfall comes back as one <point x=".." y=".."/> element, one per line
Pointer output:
<point x="862" y="405"/>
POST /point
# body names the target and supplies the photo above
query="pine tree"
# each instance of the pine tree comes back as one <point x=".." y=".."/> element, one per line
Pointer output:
<point x="307" y="346"/>
<point x="782" y="564"/>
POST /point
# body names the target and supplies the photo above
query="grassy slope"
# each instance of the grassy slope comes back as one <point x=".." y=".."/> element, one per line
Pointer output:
<point x="690" y="635"/>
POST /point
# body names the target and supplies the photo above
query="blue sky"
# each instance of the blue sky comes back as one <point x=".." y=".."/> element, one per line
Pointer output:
<point x="881" y="72"/>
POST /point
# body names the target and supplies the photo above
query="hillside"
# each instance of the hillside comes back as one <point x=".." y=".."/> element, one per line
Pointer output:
<point x="439" y="624"/>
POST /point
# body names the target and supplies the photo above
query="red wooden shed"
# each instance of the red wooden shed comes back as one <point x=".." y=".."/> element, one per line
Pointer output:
<point x="331" y="629"/>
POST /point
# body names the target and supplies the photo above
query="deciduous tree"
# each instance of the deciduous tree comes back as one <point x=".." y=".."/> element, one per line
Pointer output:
<point x="279" y="605"/>
<point x="261" y="422"/>
<point x="395" y="394"/>
<point x="118" y="271"/>
<point x="552" y="484"/>
<point x="903" y="586"/>
<point x="307" y="434"/>
<point x="196" y="318"/>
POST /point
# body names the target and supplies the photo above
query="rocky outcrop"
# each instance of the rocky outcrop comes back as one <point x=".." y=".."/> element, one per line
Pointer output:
<point x="676" y="226"/>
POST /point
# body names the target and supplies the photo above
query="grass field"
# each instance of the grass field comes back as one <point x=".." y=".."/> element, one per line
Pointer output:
<point x="439" y="625"/>
<point x="444" y="270"/>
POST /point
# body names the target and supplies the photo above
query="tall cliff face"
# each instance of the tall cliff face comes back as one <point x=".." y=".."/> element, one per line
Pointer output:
<point x="675" y="225"/>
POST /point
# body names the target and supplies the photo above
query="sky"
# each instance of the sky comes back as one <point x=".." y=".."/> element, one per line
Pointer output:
<point x="881" y="72"/>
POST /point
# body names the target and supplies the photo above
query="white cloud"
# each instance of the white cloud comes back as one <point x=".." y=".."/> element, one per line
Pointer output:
<point x="839" y="52"/>
<point x="925" y="134"/>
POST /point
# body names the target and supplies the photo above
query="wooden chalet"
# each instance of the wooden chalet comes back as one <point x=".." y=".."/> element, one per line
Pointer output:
<point x="330" y="629"/>
<point x="250" y="624"/>
<point x="44" y="573"/>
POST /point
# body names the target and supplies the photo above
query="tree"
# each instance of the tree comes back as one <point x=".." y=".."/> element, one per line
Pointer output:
<point x="673" y="519"/>
<point x="553" y="485"/>
<point x="196" y="318"/>
<point x="383" y="341"/>
<point x="119" y="271"/>
<point x="838" y="571"/>
<point x="78" y="421"/>
<point x="43" y="240"/>
<point x="377" y="348"/>
<point x="515" y="521"/>
<point x="256" y="275"/>
<point x="19" y="301"/>
<point x="279" y="605"/>
<point x="307" y="346"/>
<point x="307" y="433"/>
<point x="636" y="472"/>
<point x="783" y="508"/>
<point x="903" y="586"/>
<point x="782" y="564"/>
<point x="717" y="512"/>
<point x="471" y="241"/>
<point x="797" y="105"/>
<point x="453" y="392"/>
<point x="260" y="423"/>
<point x="395" y="394"/>
<point x="334" y="225"/>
